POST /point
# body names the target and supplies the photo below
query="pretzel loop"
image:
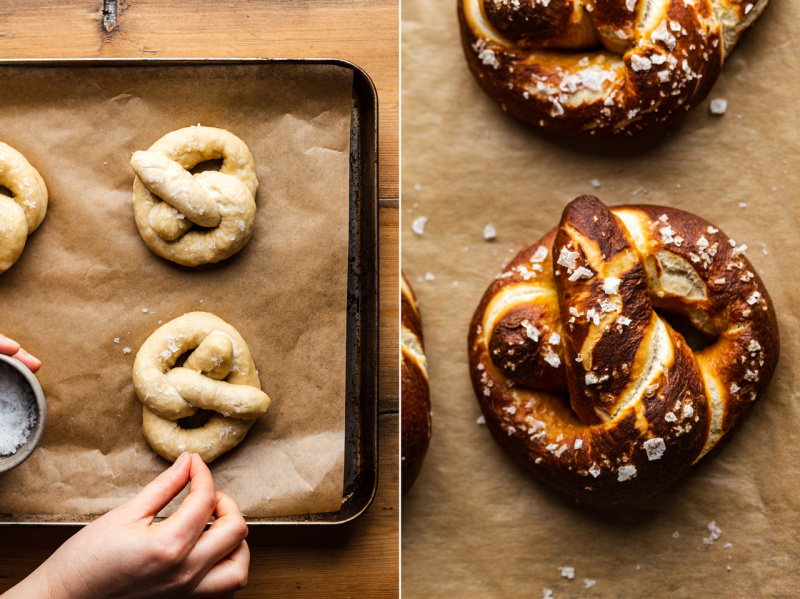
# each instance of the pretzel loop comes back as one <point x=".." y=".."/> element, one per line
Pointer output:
<point x="600" y="67"/>
<point x="218" y="375"/>
<point x="21" y="214"/>
<point x="585" y="384"/>
<point x="168" y="200"/>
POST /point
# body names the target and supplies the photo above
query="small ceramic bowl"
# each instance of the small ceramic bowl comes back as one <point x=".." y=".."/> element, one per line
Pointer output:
<point x="7" y="462"/>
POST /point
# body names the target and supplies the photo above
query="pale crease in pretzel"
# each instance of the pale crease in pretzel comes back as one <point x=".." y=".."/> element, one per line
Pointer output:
<point x="600" y="68"/>
<point x="218" y="375"/>
<point x="168" y="200"/>
<point x="631" y="378"/>
<point x="21" y="215"/>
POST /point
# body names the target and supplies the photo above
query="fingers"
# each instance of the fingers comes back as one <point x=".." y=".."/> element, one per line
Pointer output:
<point x="10" y="347"/>
<point x="155" y="496"/>
<point x="188" y="522"/>
<point x="223" y="536"/>
<point x="227" y="575"/>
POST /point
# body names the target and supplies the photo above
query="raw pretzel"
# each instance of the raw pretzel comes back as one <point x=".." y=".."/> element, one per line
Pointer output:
<point x="584" y="384"/>
<point x="218" y="375"/>
<point x="22" y="214"/>
<point x="168" y="199"/>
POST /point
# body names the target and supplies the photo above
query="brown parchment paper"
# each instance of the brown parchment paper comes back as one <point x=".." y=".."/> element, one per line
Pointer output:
<point x="86" y="278"/>
<point x="475" y="524"/>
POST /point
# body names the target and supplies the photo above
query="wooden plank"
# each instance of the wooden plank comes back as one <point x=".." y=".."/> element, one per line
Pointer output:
<point x="364" y="32"/>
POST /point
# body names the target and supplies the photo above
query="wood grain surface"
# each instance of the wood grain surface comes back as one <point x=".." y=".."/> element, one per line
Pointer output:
<point x="359" y="559"/>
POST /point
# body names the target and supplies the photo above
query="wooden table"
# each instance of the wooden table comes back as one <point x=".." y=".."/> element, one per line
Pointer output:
<point x="359" y="559"/>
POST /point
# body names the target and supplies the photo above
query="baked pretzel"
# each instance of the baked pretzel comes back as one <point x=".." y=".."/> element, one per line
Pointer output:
<point x="168" y="199"/>
<point x="218" y="375"/>
<point x="21" y="214"/>
<point x="600" y="67"/>
<point x="415" y="392"/>
<point x="579" y="378"/>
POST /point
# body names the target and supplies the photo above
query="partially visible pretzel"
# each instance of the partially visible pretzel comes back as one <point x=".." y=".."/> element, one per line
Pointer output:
<point x="168" y="199"/>
<point x="218" y="375"/>
<point x="415" y="389"/>
<point x="584" y="384"/>
<point x="24" y="212"/>
<point x="601" y="67"/>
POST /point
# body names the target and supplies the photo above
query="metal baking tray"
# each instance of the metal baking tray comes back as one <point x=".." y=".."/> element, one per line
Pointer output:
<point x="361" y="403"/>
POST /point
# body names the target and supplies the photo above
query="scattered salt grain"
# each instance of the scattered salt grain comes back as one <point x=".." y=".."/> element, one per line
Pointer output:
<point x="718" y="106"/>
<point x="567" y="572"/>
<point x="581" y="273"/>
<point x="676" y="534"/>
<point x="116" y="339"/>
<point x="418" y="226"/>
<point x="489" y="232"/>
<point x="595" y="182"/>
<point x="547" y="593"/>
<point x="589" y="583"/>
<point x="714" y="531"/>
<point x="144" y="310"/>
<point x="429" y="276"/>
<point x="17" y="411"/>
<point x="126" y="350"/>
<point x="481" y="420"/>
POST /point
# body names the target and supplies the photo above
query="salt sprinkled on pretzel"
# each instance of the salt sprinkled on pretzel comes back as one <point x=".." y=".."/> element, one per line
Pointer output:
<point x="600" y="67"/>
<point x="606" y="401"/>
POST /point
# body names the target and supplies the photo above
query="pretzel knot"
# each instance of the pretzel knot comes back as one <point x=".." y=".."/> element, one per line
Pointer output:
<point x="600" y="67"/>
<point x="582" y="381"/>
<point x="168" y="200"/>
<point x="218" y="375"/>
<point x="21" y="214"/>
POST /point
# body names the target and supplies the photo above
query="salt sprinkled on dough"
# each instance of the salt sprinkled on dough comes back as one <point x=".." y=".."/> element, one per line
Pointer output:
<point x="17" y="411"/>
<point x="655" y="448"/>
<point x="626" y="473"/>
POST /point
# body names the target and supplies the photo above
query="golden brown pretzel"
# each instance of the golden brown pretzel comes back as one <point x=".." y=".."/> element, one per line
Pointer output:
<point x="415" y="392"/>
<point x="600" y="67"/>
<point x="582" y="382"/>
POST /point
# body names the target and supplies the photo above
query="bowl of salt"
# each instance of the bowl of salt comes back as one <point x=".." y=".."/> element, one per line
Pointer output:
<point x="22" y="413"/>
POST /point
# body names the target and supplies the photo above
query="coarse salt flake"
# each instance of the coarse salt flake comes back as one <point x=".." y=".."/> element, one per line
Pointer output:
<point x="581" y="273"/>
<point x="655" y="448"/>
<point x="626" y="473"/>
<point x="552" y="358"/>
<point x="555" y="338"/>
<point x="418" y="226"/>
<point x="611" y="286"/>
<point x="754" y="297"/>
<point x="489" y="232"/>
<point x="578" y="444"/>
<point x="567" y="572"/>
<point x="718" y="106"/>
<point x="567" y="258"/>
<point x="624" y="321"/>
<point x="540" y="254"/>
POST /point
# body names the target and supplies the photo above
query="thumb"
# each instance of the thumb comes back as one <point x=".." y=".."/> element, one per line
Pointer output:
<point x="155" y="496"/>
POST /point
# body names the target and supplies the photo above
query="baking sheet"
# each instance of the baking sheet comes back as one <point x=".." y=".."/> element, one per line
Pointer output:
<point x="475" y="524"/>
<point x="86" y="278"/>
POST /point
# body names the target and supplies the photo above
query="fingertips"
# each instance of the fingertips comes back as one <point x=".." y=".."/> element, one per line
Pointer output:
<point x="33" y="363"/>
<point x="8" y="346"/>
<point x="155" y="496"/>
<point x="196" y="510"/>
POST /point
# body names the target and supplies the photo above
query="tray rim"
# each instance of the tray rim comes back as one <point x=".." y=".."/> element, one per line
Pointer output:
<point x="369" y="206"/>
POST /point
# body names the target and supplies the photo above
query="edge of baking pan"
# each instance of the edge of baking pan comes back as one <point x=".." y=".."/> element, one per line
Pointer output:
<point x="361" y="412"/>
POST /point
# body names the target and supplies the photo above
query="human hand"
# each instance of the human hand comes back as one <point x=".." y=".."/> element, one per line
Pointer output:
<point x="11" y="348"/>
<point x="125" y="554"/>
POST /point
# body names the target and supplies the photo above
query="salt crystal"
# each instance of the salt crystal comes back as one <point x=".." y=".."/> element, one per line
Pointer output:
<point x="589" y="583"/>
<point x="611" y="286"/>
<point x="567" y="572"/>
<point x="481" y="420"/>
<point x="714" y="531"/>
<point x="595" y="182"/>
<point x="418" y="226"/>
<point x="126" y="350"/>
<point x="489" y="232"/>
<point x="718" y="106"/>
<point x="655" y="448"/>
<point x="626" y="473"/>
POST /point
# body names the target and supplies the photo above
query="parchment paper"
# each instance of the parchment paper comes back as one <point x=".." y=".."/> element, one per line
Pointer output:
<point x="475" y="524"/>
<point x="86" y="278"/>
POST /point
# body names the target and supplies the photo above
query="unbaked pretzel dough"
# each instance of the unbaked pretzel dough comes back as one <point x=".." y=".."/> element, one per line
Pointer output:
<point x="22" y="214"/>
<point x="218" y="375"/>
<point x="168" y="200"/>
